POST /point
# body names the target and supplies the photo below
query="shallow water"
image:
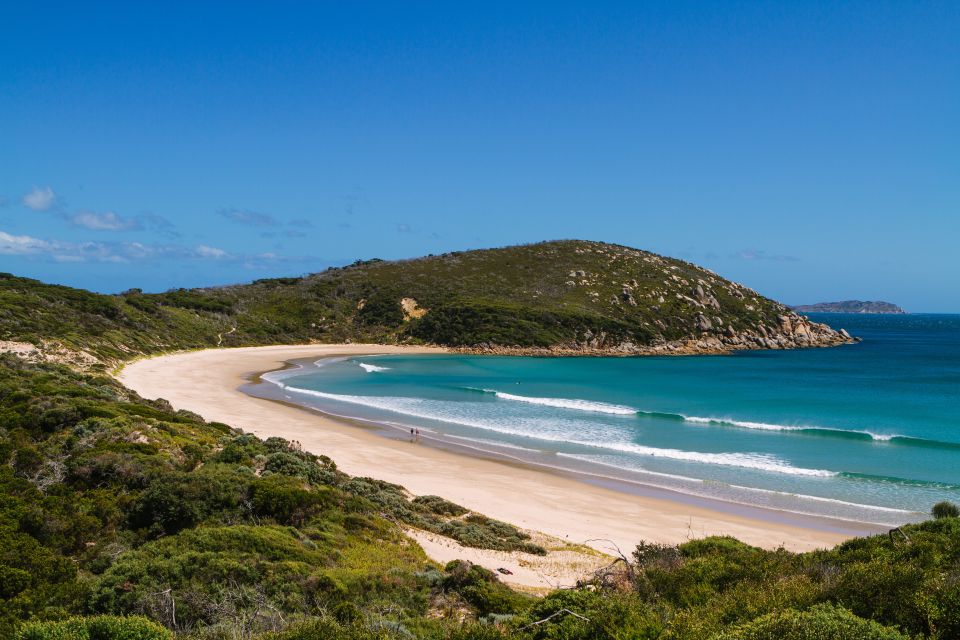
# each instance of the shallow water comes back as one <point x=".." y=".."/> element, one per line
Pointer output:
<point x="867" y="432"/>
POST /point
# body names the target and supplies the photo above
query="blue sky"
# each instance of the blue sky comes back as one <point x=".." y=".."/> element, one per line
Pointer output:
<point x="810" y="150"/>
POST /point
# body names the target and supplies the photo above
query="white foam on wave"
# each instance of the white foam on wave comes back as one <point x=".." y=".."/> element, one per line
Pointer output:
<point x="322" y="362"/>
<point x="758" y="461"/>
<point x="766" y="426"/>
<point x="276" y="377"/>
<point x="598" y="460"/>
<point x="372" y="368"/>
<point x="420" y="408"/>
<point x="739" y="423"/>
<point x="616" y="409"/>
<point x="412" y="407"/>
<point x="570" y="403"/>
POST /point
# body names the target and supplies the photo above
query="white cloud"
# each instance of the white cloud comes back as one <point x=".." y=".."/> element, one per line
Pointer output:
<point x="210" y="252"/>
<point x="40" y="199"/>
<point x="11" y="245"/>
<point x="61" y="251"/>
<point x="108" y="221"/>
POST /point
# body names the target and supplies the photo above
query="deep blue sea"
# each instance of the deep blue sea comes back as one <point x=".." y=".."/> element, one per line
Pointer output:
<point x="867" y="432"/>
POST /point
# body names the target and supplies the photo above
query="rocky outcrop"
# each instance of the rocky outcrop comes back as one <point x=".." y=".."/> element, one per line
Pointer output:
<point x="411" y="310"/>
<point x="792" y="332"/>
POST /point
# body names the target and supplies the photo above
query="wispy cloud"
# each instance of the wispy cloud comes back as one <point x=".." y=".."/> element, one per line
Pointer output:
<point x="11" y="245"/>
<point x="45" y="199"/>
<point x="301" y="223"/>
<point x="759" y="254"/>
<point x="251" y="218"/>
<point x="267" y="259"/>
<point x="108" y="221"/>
<point x="154" y="222"/>
<point x="404" y="228"/>
<point x="40" y="199"/>
<point x="129" y="252"/>
<point x="205" y="251"/>
<point x="63" y="251"/>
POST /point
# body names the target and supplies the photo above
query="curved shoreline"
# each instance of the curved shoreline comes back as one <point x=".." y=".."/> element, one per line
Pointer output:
<point x="271" y="386"/>
<point x="208" y="383"/>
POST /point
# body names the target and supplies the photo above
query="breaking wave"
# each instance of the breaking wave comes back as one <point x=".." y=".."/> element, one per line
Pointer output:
<point x="427" y="409"/>
<point x="617" y="409"/>
<point x="372" y="368"/>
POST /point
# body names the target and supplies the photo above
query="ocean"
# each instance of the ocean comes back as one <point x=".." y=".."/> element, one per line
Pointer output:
<point x="867" y="432"/>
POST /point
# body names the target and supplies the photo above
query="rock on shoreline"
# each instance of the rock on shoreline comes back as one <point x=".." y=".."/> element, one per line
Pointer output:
<point x="793" y="331"/>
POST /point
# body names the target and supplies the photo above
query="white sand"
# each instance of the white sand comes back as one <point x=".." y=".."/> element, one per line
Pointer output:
<point x="206" y="383"/>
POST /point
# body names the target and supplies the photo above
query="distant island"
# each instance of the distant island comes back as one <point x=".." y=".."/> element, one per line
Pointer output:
<point x="850" y="306"/>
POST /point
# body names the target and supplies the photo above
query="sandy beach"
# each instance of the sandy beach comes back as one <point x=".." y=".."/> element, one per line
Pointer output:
<point x="206" y="382"/>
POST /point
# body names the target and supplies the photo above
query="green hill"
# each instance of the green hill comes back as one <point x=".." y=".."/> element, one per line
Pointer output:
<point x="560" y="297"/>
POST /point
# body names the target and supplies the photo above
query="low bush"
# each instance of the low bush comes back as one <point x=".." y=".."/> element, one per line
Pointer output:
<point x="945" y="510"/>
<point x="439" y="506"/>
<point x="95" y="628"/>
<point x="823" y="622"/>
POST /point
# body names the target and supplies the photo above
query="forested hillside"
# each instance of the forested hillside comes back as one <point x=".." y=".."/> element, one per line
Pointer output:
<point x="561" y="297"/>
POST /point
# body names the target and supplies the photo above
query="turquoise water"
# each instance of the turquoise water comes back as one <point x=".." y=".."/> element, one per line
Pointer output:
<point x="868" y="432"/>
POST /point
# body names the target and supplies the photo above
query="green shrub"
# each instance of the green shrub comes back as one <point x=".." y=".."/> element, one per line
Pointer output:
<point x="285" y="499"/>
<point x="823" y="622"/>
<point x="120" y="628"/>
<point x="600" y="614"/>
<point x="882" y="590"/>
<point x="95" y="628"/>
<point x="945" y="510"/>
<point x="326" y="629"/>
<point x="439" y="506"/>
<point x="481" y="588"/>
<point x="185" y="499"/>
<point x="476" y="322"/>
<point x="381" y="309"/>
<point x="71" y="629"/>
